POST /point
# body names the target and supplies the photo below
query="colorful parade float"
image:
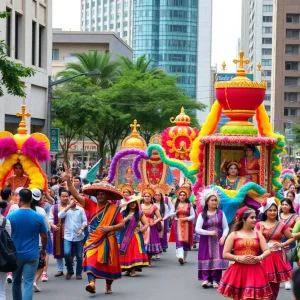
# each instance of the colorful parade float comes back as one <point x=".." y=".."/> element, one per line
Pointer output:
<point x="21" y="154"/>
<point x="241" y="161"/>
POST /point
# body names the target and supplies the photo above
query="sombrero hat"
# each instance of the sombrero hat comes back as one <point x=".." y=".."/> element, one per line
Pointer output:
<point x="131" y="199"/>
<point x="105" y="186"/>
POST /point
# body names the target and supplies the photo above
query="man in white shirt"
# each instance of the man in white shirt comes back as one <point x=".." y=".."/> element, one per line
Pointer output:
<point x="75" y="223"/>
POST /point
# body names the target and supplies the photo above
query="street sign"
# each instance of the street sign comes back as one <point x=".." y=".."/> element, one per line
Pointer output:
<point x="54" y="139"/>
<point x="290" y="137"/>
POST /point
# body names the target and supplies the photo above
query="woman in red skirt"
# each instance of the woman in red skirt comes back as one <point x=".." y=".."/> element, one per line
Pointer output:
<point x="246" y="278"/>
<point x="276" y="265"/>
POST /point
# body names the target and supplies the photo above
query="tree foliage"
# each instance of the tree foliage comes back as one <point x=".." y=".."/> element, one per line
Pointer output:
<point x="103" y="112"/>
<point x="11" y="72"/>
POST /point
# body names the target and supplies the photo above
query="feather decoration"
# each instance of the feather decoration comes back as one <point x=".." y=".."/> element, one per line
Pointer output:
<point x="36" y="149"/>
<point x="8" y="147"/>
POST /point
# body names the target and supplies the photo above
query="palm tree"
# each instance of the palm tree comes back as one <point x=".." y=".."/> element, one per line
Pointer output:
<point x="142" y="65"/>
<point x="91" y="61"/>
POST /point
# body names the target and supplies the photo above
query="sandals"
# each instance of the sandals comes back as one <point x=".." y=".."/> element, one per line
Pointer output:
<point x="91" y="288"/>
<point x="108" y="289"/>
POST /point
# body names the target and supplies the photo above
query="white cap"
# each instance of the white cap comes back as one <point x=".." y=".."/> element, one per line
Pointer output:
<point x="17" y="191"/>
<point x="36" y="194"/>
<point x="267" y="204"/>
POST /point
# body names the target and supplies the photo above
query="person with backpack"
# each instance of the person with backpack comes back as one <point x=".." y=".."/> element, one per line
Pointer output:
<point x="27" y="226"/>
<point x="4" y="226"/>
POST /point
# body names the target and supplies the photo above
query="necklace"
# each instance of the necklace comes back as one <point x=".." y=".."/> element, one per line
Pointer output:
<point x="104" y="212"/>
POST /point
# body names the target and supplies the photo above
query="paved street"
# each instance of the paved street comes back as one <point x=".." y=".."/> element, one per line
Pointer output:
<point x="165" y="280"/>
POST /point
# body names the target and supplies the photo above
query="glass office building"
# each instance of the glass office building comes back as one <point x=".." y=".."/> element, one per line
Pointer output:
<point x="166" y="31"/>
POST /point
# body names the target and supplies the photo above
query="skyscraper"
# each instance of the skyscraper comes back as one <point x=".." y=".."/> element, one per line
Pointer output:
<point x="108" y="15"/>
<point x="256" y="40"/>
<point x="176" y="34"/>
<point x="286" y="64"/>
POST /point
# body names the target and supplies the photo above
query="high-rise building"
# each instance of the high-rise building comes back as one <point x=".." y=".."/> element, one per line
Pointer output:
<point x="286" y="64"/>
<point x="108" y="15"/>
<point x="176" y="35"/>
<point x="28" y="33"/>
<point x="256" y="40"/>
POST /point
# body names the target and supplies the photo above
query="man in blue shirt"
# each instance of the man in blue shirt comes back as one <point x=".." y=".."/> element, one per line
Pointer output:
<point x="27" y="225"/>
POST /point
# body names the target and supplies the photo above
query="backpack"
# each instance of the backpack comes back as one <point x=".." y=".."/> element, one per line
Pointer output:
<point x="8" y="252"/>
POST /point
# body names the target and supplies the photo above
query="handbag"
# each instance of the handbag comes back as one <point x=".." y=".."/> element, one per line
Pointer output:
<point x="159" y="227"/>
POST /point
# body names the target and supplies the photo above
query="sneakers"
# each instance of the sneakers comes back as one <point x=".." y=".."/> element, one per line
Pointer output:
<point x="287" y="285"/>
<point x="44" y="277"/>
<point x="157" y="256"/>
<point x="215" y="285"/>
<point x="205" y="284"/>
<point x="9" y="277"/>
<point x="36" y="288"/>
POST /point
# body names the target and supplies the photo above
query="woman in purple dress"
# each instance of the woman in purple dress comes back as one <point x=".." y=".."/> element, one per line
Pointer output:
<point x="213" y="229"/>
<point x="159" y="202"/>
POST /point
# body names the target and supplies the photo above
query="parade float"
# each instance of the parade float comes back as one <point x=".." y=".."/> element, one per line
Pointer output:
<point x="211" y="153"/>
<point x="24" y="150"/>
<point x="129" y="167"/>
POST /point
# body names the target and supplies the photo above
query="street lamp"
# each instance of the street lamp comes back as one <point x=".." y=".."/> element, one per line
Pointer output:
<point x="50" y="97"/>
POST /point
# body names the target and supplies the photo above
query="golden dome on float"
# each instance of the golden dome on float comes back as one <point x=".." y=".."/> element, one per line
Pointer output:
<point x="134" y="140"/>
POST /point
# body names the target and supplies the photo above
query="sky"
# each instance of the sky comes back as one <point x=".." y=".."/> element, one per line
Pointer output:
<point x="226" y="26"/>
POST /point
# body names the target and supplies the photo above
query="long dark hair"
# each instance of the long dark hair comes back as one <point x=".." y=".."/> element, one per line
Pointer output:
<point x="291" y="192"/>
<point x="239" y="224"/>
<point x="162" y="205"/>
<point x="205" y="209"/>
<point x="290" y="203"/>
<point x="34" y="204"/>
<point x="264" y="215"/>
<point x="177" y="202"/>
<point x="125" y="213"/>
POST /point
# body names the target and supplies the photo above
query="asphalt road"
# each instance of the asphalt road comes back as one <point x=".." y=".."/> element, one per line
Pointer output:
<point x="164" y="280"/>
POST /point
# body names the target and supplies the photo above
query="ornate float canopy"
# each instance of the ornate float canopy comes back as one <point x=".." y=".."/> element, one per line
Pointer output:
<point x="177" y="140"/>
<point x="134" y="140"/>
<point x="26" y="149"/>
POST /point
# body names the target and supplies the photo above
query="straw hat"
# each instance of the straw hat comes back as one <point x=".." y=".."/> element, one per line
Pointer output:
<point x="131" y="199"/>
<point x="127" y="187"/>
<point x="105" y="186"/>
<point x="185" y="190"/>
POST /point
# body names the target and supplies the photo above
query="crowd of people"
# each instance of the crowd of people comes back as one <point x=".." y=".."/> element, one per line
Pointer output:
<point x="110" y="231"/>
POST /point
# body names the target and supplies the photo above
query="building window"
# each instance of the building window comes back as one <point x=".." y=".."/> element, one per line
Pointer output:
<point x="105" y="9"/>
<point x="266" y="51"/>
<point x="119" y="6"/>
<point x="291" y="66"/>
<point x="124" y="33"/>
<point x="268" y="108"/>
<point x="267" y="41"/>
<point x="17" y="28"/>
<point x="125" y="24"/>
<point x="111" y="26"/>
<point x="268" y="72"/>
<point x="293" y="33"/>
<point x="267" y="29"/>
<point x="98" y="28"/>
<point x="292" y="81"/>
<point x="112" y="16"/>
<point x="125" y="4"/>
<point x="118" y="25"/>
<point x="125" y="14"/>
<point x="293" y="18"/>
<point x="8" y="32"/>
<point x="290" y="111"/>
<point x="104" y="27"/>
<point x="266" y="62"/>
<point x="41" y="43"/>
<point x="292" y="49"/>
<point x="267" y="19"/>
<point x="268" y="97"/>
<point x="291" y="96"/>
<point x="105" y="18"/>
<point x="33" y="43"/>
<point x="55" y="54"/>
<point x="267" y="8"/>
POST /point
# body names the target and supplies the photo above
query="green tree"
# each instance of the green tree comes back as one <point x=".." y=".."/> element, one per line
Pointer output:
<point x="73" y="110"/>
<point x="87" y="62"/>
<point x="142" y="65"/>
<point x="11" y="72"/>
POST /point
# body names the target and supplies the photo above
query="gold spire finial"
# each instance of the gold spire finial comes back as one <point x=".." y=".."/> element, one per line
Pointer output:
<point x="182" y="111"/>
<point x="135" y="125"/>
<point x="259" y="67"/>
<point x="224" y="66"/>
<point x="241" y="71"/>
<point x="22" y="126"/>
